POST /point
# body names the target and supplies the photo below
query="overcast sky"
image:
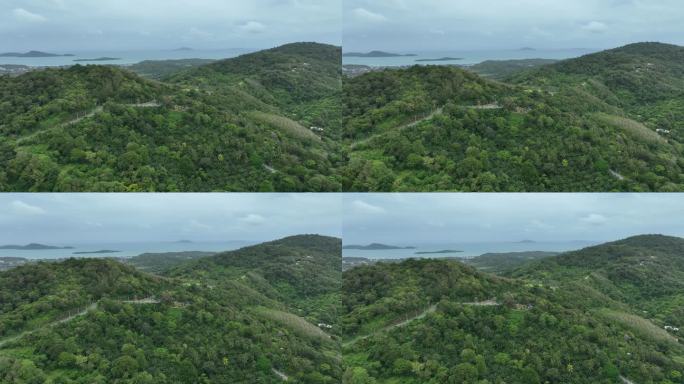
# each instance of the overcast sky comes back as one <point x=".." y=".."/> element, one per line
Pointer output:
<point x="109" y="218"/>
<point x="410" y="25"/>
<point x="406" y="219"/>
<point x="67" y="25"/>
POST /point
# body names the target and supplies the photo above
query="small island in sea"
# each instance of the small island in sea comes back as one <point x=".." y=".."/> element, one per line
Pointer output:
<point x="442" y="251"/>
<point x="376" y="54"/>
<point x="182" y="49"/>
<point x="94" y="252"/>
<point x="32" y="54"/>
<point x="526" y="241"/>
<point x="100" y="59"/>
<point x="32" y="247"/>
<point x="374" y="247"/>
<point x="441" y="59"/>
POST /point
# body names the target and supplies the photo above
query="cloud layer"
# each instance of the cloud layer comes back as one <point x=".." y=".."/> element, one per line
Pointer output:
<point x="410" y="25"/>
<point x="86" y="218"/>
<point x="77" y="25"/>
<point x="445" y="218"/>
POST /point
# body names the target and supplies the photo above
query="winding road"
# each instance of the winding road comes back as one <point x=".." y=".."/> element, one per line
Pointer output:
<point x="89" y="114"/>
<point x="90" y="307"/>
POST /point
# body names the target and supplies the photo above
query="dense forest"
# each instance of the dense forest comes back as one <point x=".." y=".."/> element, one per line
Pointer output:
<point x="282" y="120"/>
<point x="241" y="124"/>
<point x="609" y="121"/>
<point x="250" y="320"/>
<point x="598" y="315"/>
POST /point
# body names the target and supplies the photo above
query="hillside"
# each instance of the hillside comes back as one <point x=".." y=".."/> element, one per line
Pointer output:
<point x="424" y="321"/>
<point x="114" y="324"/>
<point x="240" y="124"/>
<point x="500" y="263"/>
<point x="603" y="122"/>
<point x="645" y="272"/>
<point x="301" y="271"/>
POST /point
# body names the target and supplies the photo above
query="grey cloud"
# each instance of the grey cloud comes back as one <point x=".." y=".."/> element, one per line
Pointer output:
<point x="64" y="218"/>
<point x="505" y="24"/>
<point x="63" y="25"/>
<point x="442" y="218"/>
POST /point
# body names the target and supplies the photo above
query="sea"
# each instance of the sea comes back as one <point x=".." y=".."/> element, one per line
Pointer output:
<point x="467" y="57"/>
<point x="468" y="250"/>
<point x="126" y="57"/>
<point x="126" y="249"/>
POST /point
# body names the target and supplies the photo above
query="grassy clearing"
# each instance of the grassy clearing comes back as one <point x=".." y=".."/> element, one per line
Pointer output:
<point x="282" y="123"/>
<point x="297" y="324"/>
<point x="632" y="127"/>
<point x="638" y="325"/>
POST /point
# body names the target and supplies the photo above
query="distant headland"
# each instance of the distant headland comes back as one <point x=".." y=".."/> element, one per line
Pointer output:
<point x="375" y="54"/>
<point x="32" y="247"/>
<point x="375" y="247"/>
<point x="33" y="54"/>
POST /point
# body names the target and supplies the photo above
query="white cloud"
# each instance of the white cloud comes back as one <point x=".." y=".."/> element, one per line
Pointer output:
<point x="366" y="15"/>
<point x="253" y="27"/>
<point x="22" y="208"/>
<point x="196" y="33"/>
<point x="253" y="219"/>
<point x="594" y="219"/>
<point x="197" y="226"/>
<point x="595" y="27"/>
<point x="362" y="206"/>
<point x="537" y="224"/>
<point x="23" y="15"/>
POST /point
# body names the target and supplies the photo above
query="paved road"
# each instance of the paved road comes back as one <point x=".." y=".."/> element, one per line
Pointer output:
<point x="421" y="315"/>
<point x="434" y="113"/>
<point x="280" y="374"/>
<point x="91" y="113"/>
<point x="90" y="307"/>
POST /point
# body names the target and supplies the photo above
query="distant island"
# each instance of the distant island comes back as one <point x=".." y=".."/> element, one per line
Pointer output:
<point x="442" y="251"/>
<point x="183" y="242"/>
<point x="526" y="241"/>
<point x="33" y="54"/>
<point x="32" y="247"/>
<point x="182" y="49"/>
<point x="526" y="49"/>
<point x="100" y="59"/>
<point x="93" y="252"/>
<point x="441" y="59"/>
<point x="375" y="54"/>
<point x="375" y="247"/>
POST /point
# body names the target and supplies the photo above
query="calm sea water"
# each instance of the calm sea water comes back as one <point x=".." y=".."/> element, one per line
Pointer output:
<point x="127" y="249"/>
<point x="468" y="57"/>
<point x="127" y="57"/>
<point x="469" y="249"/>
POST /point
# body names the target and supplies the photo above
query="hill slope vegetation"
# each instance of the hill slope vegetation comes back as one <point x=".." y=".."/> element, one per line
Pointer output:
<point x="440" y="321"/>
<point x="102" y="128"/>
<point x="99" y="321"/>
<point x="609" y="121"/>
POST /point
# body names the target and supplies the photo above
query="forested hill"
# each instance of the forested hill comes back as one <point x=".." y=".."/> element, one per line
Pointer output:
<point x="301" y="271"/>
<point x="99" y="321"/>
<point x="439" y="321"/>
<point x="292" y="73"/>
<point x="606" y="121"/>
<point x="644" y="272"/>
<point x="635" y="73"/>
<point x="242" y="124"/>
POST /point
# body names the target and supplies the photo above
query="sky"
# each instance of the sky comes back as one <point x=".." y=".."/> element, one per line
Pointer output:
<point x="423" y="25"/>
<point x="405" y="219"/>
<point x="112" y="218"/>
<point x="81" y="25"/>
